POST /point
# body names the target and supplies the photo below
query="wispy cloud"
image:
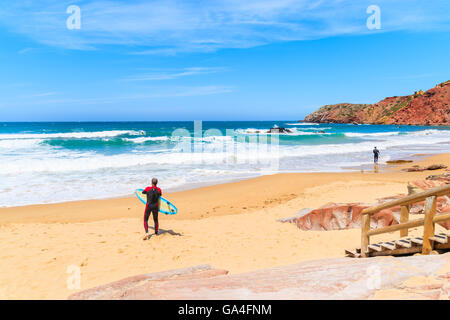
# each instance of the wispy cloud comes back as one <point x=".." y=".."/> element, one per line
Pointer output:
<point x="42" y="94"/>
<point x="171" y="74"/>
<point x="25" y="50"/>
<point x="171" y="26"/>
<point x="151" y="93"/>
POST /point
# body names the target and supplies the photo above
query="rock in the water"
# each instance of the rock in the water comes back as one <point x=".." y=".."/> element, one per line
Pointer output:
<point x="279" y="130"/>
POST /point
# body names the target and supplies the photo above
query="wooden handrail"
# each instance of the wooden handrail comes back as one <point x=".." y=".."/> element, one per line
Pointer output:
<point x="439" y="191"/>
<point x="407" y="225"/>
<point x="428" y="222"/>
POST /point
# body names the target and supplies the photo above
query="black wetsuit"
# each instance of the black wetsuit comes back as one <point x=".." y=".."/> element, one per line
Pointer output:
<point x="153" y="194"/>
<point x="376" y="153"/>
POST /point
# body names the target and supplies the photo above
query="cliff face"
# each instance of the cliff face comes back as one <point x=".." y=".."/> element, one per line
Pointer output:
<point x="422" y="108"/>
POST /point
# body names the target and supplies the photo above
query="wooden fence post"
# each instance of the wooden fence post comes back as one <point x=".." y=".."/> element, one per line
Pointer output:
<point x="428" y="226"/>
<point x="404" y="217"/>
<point x="365" y="227"/>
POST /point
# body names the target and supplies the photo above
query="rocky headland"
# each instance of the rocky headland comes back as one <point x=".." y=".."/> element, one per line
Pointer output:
<point x="421" y="108"/>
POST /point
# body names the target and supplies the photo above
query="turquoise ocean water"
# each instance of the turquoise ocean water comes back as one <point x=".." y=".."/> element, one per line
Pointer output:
<point x="54" y="162"/>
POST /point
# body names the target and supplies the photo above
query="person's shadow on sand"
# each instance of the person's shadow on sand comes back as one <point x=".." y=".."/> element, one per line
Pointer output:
<point x="163" y="231"/>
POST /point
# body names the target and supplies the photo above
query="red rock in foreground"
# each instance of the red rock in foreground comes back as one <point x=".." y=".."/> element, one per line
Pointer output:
<point x="343" y="278"/>
<point x="340" y="216"/>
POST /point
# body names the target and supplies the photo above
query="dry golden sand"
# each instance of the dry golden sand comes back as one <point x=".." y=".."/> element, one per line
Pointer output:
<point x="231" y="226"/>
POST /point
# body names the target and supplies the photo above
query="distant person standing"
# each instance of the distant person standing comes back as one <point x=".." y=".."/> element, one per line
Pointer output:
<point x="376" y="154"/>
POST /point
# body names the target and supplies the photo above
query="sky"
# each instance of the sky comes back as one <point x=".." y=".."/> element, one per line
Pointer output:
<point x="214" y="59"/>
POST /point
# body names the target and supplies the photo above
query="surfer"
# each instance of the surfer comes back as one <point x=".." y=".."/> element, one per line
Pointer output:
<point x="376" y="153"/>
<point x="153" y="195"/>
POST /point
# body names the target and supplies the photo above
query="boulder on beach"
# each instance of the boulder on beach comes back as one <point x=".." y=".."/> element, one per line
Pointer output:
<point x="340" y="216"/>
<point x="436" y="167"/>
<point x="440" y="177"/>
<point x="417" y="168"/>
<point x="398" y="161"/>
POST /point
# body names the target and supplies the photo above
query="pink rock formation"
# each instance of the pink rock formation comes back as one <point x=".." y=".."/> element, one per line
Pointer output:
<point x="428" y="184"/>
<point x="135" y="287"/>
<point x="334" y="216"/>
<point x="338" y="216"/>
<point x="342" y="278"/>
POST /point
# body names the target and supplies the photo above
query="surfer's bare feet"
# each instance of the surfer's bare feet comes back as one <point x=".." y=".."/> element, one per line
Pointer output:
<point x="145" y="237"/>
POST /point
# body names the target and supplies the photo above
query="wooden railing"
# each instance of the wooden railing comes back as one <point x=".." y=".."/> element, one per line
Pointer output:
<point x="428" y="222"/>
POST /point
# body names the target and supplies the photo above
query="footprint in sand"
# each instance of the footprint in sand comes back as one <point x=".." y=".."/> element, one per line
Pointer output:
<point x="84" y="262"/>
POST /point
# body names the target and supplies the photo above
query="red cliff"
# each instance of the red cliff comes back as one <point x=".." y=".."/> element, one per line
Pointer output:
<point x="422" y="108"/>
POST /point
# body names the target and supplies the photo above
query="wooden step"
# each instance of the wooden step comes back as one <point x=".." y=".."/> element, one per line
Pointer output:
<point x="375" y="247"/>
<point x="439" y="238"/>
<point x="388" y="245"/>
<point x="417" y="240"/>
<point x="352" y="253"/>
<point x="404" y="243"/>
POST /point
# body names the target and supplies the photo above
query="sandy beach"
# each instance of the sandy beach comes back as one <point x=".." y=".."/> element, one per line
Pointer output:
<point x="231" y="226"/>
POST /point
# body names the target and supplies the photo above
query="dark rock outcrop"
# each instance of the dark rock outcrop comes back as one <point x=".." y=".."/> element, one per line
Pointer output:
<point x="417" y="168"/>
<point x="436" y="167"/>
<point x="279" y="130"/>
<point x="398" y="161"/>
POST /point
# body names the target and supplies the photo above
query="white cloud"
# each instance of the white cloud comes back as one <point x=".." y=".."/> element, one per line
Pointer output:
<point x="171" y="26"/>
<point x="173" y="74"/>
<point x="151" y="93"/>
<point x="42" y="94"/>
<point x="25" y="50"/>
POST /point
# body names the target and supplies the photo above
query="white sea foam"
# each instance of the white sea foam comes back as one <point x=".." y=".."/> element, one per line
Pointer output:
<point x="76" y="135"/>
<point x="145" y="139"/>
<point x="60" y="174"/>
<point x="294" y="131"/>
<point x="20" y="143"/>
<point x="302" y="124"/>
<point x="429" y="132"/>
<point x="376" y="134"/>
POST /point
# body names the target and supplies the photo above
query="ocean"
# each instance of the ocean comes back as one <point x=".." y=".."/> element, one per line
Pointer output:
<point x="46" y="162"/>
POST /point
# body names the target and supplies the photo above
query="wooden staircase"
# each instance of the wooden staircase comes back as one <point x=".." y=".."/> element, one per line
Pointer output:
<point x="402" y="246"/>
<point x="426" y="244"/>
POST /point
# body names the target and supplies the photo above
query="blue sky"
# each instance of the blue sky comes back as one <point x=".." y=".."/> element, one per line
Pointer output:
<point x="214" y="60"/>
